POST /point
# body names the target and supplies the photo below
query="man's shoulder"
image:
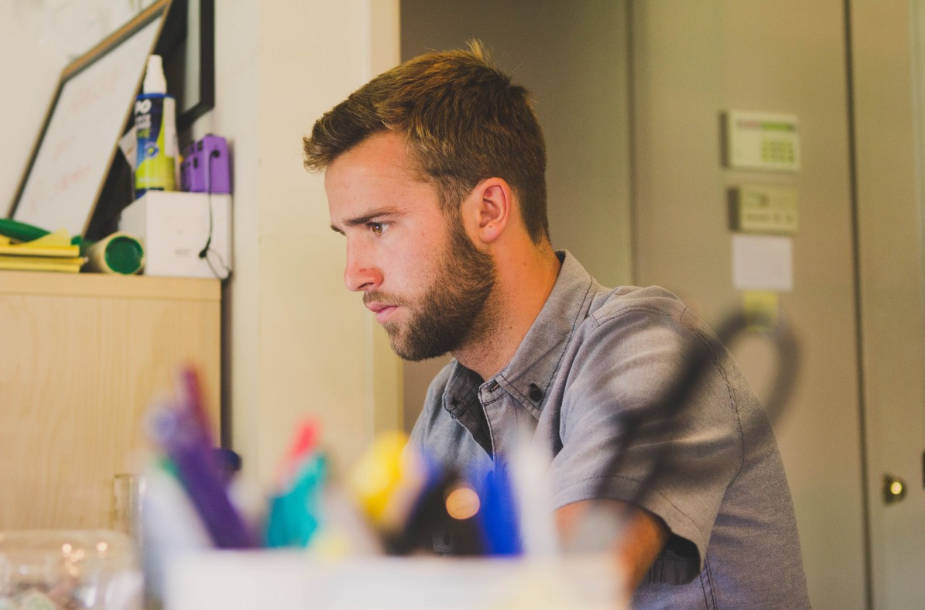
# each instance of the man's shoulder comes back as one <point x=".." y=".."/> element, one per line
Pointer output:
<point x="580" y="298"/>
<point x="629" y="314"/>
<point x="649" y="300"/>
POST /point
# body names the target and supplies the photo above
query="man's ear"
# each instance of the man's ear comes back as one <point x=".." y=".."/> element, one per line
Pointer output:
<point x="490" y="204"/>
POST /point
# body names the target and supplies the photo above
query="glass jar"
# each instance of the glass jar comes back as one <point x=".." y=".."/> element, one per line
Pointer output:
<point x="52" y="570"/>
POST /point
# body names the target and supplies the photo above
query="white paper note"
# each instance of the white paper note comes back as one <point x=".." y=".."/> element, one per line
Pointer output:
<point x="762" y="262"/>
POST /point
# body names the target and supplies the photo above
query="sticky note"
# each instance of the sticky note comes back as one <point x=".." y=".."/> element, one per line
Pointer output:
<point x="762" y="263"/>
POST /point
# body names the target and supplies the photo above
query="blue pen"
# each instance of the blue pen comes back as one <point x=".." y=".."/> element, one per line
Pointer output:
<point x="499" y="514"/>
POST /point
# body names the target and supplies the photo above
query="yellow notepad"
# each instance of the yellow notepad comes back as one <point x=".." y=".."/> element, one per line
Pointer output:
<point x="57" y="244"/>
<point x="42" y="263"/>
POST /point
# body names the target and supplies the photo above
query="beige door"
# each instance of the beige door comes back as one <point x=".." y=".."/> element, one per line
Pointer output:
<point x="691" y="61"/>
<point x="889" y="80"/>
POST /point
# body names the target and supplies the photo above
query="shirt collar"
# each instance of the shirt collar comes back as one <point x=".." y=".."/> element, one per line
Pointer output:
<point x="530" y="372"/>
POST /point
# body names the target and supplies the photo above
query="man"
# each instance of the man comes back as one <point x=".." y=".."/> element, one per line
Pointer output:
<point x="435" y="174"/>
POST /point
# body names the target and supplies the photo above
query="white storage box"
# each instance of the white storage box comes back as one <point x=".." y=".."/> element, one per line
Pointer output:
<point x="291" y="580"/>
<point x="175" y="227"/>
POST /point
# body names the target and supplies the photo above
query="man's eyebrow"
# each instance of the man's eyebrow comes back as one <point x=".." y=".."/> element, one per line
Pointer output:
<point x="365" y="218"/>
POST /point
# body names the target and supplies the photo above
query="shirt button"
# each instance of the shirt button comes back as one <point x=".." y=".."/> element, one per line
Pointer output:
<point x="492" y="386"/>
<point x="536" y="394"/>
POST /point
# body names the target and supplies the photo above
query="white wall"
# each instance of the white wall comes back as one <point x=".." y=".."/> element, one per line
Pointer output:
<point x="29" y="73"/>
<point x="296" y="342"/>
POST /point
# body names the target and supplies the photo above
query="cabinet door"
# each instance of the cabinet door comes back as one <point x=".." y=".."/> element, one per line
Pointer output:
<point x="80" y="361"/>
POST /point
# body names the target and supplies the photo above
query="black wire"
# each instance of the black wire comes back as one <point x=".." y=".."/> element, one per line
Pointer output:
<point x="221" y="262"/>
<point x="698" y="359"/>
<point x="207" y="249"/>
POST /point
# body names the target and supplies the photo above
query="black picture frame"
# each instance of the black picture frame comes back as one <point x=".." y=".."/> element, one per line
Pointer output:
<point x="187" y="45"/>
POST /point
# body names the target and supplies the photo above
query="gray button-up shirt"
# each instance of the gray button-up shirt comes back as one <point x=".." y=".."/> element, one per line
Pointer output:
<point x="594" y="355"/>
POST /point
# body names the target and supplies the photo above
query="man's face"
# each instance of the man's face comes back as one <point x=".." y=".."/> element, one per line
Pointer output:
<point x="420" y="273"/>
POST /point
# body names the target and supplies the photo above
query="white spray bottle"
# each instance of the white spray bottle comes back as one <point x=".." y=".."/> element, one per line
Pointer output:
<point x="156" y="130"/>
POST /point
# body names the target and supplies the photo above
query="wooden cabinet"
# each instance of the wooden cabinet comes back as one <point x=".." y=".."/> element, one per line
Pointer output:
<point x="81" y="357"/>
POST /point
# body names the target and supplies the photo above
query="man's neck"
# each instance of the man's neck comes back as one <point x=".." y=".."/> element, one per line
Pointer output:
<point x="523" y="284"/>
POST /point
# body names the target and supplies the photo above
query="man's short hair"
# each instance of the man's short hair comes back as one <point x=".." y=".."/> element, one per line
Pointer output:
<point x="464" y="121"/>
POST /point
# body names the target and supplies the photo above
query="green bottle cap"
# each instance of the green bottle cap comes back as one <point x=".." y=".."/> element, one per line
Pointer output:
<point x="124" y="255"/>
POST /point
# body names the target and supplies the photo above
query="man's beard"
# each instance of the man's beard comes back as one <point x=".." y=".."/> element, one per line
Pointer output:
<point x="450" y="312"/>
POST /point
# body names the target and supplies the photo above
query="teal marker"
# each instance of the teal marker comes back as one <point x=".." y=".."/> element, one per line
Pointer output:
<point x="295" y="512"/>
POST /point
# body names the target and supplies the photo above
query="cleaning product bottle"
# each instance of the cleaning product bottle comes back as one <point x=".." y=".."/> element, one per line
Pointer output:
<point x="156" y="130"/>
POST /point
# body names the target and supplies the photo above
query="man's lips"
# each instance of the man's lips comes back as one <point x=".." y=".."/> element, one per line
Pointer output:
<point x="382" y="310"/>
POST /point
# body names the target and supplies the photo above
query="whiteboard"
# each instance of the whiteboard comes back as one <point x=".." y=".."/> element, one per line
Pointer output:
<point x="74" y="153"/>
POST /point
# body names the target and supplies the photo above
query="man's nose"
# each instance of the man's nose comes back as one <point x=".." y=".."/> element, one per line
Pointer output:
<point x="361" y="273"/>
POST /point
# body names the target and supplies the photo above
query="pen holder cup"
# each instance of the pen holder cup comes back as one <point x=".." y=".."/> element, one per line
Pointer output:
<point x="69" y="569"/>
<point x="230" y="580"/>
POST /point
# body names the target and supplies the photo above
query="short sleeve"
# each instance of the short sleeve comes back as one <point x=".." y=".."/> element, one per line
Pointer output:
<point x="624" y="366"/>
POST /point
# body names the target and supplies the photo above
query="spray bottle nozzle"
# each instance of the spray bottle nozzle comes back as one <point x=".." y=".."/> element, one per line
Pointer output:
<point x="154" y="76"/>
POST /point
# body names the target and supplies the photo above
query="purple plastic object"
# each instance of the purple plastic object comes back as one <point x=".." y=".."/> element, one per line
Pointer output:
<point x="181" y="428"/>
<point x="206" y="168"/>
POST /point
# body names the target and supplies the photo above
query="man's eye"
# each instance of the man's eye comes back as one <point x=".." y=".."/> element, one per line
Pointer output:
<point x="377" y="227"/>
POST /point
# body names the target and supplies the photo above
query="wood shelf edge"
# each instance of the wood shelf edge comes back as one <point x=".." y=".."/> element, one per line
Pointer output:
<point x="103" y="285"/>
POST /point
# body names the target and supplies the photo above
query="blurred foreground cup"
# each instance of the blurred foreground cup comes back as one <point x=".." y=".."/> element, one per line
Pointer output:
<point x="77" y="569"/>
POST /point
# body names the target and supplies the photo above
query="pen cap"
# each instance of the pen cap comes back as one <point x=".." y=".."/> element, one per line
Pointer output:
<point x="387" y="481"/>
